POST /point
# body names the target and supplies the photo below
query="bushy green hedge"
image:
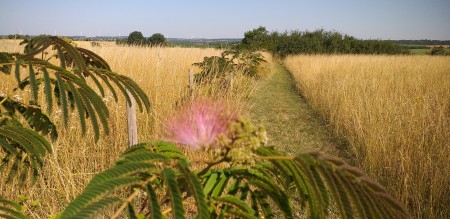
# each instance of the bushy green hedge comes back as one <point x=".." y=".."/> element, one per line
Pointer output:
<point x="315" y="42"/>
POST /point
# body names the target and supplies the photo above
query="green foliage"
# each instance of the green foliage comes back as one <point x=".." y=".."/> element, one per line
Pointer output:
<point x="230" y="62"/>
<point x="157" y="39"/>
<point x="267" y="181"/>
<point x="246" y="191"/>
<point x="438" y="51"/>
<point x="23" y="125"/>
<point x="146" y="168"/>
<point x="315" y="42"/>
<point x="256" y="39"/>
<point x="10" y="210"/>
<point x="214" y="68"/>
<point x="136" y="38"/>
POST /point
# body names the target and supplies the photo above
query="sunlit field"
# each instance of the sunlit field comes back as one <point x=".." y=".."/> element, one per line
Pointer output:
<point x="163" y="74"/>
<point x="395" y="113"/>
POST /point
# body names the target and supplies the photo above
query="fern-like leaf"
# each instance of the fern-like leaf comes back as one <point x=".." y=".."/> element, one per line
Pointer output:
<point x="210" y="183"/>
<point x="352" y="191"/>
<point x="132" y="169"/>
<point x="76" y="64"/>
<point x="62" y="98"/>
<point x="264" y="204"/>
<point x="31" y="148"/>
<point x="101" y="110"/>
<point x="10" y="210"/>
<point x="6" y="58"/>
<point x="333" y="169"/>
<point x="33" y="84"/>
<point x="92" y="209"/>
<point x="196" y="187"/>
<point x="19" y="135"/>
<point x="174" y="192"/>
<point x="47" y="90"/>
<point x="34" y="116"/>
<point x="80" y="106"/>
<point x="131" y="212"/>
<point x="96" y="191"/>
<point x="239" y="204"/>
<point x="124" y="83"/>
<point x="17" y="73"/>
<point x="155" y="209"/>
<point x="92" y="59"/>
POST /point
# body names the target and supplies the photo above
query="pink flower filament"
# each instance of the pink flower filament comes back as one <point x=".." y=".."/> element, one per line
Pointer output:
<point x="199" y="126"/>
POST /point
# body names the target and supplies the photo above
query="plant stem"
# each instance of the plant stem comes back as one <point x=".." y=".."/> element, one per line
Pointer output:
<point x="170" y="208"/>
<point x="275" y="158"/>
<point x="130" y="198"/>
<point x="5" y="98"/>
<point x="125" y="203"/>
<point x="224" y="158"/>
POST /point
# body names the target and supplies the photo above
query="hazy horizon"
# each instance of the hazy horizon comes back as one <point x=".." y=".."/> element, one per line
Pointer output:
<point x="395" y="20"/>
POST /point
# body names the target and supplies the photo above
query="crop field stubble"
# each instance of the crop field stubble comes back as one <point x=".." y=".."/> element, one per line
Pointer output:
<point x="395" y="113"/>
<point x="162" y="73"/>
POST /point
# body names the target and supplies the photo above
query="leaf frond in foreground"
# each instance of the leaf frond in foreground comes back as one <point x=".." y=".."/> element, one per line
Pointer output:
<point x="325" y="176"/>
<point x="10" y="210"/>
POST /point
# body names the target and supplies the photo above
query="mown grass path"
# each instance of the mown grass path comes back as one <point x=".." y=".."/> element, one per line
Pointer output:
<point x="290" y="122"/>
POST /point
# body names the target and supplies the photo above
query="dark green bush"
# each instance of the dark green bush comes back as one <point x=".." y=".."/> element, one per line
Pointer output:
<point x="157" y="39"/>
<point x="315" y="42"/>
<point x="230" y="62"/>
<point x="136" y="38"/>
<point x="438" y="51"/>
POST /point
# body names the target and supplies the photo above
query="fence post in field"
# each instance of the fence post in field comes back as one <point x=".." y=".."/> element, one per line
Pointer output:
<point x="191" y="83"/>
<point x="131" y="121"/>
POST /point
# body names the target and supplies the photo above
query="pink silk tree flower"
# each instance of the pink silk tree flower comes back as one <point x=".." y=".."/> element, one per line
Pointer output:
<point x="199" y="125"/>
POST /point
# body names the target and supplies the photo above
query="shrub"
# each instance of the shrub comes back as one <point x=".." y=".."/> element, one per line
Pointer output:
<point x="230" y="62"/>
<point x="157" y="39"/>
<point x="315" y="42"/>
<point x="438" y="51"/>
<point x="136" y="38"/>
<point x="95" y="44"/>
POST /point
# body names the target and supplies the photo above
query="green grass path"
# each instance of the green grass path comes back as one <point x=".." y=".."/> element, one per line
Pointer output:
<point x="290" y="122"/>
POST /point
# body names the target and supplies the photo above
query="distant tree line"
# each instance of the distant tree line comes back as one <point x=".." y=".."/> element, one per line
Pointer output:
<point x="315" y="42"/>
<point x="136" y="38"/>
<point x="16" y="36"/>
<point x="204" y="43"/>
<point x="421" y="42"/>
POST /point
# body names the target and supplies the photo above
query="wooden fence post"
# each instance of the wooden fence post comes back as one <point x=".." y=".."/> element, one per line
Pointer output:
<point x="131" y="121"/>
<point x="191" y="83"/>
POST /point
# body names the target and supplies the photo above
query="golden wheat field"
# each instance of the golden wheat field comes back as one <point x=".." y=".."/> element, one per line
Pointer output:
<point x="162" y="73"/>
<point x="395" y="113"/>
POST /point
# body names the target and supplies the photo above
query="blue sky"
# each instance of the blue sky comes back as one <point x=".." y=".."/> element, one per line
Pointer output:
<point x="376" y="19"/>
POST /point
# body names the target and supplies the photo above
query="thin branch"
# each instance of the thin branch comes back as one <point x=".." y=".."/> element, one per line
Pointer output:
<point x="130" y="198"/>
<point x="125" y="203"/>
<point x="275" y="158"/>
<point x="224" y="158"/>
<point x="10" y="63"/>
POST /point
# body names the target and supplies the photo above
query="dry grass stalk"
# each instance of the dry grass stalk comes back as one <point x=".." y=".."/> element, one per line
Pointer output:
<point x="162" y="73"/>
<point x="395" y="112"/>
